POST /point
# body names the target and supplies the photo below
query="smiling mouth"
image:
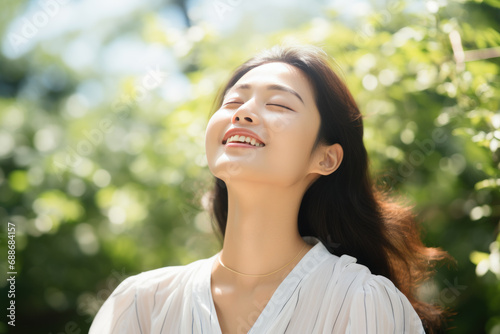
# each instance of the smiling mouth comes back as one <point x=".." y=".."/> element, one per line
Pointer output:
<point x="237" y="140"/>
<point x="238" y="144"/>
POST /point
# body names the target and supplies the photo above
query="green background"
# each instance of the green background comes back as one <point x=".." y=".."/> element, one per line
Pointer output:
<point x="103" y="109"/>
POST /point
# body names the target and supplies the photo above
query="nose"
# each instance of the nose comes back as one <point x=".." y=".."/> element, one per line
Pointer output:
<point x="248" y="119"/>
<point x="245" y="115"/>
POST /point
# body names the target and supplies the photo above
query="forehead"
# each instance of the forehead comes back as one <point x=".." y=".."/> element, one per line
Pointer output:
<point x="278" y="73"/>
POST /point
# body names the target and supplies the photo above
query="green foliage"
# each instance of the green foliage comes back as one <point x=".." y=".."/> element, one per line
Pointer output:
<point x="104" y="176"/>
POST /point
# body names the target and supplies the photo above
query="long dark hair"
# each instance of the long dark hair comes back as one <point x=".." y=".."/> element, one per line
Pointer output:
<point x="344" y="210"/>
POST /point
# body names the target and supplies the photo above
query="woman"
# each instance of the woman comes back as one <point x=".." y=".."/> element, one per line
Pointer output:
<point x="309" y="246"/>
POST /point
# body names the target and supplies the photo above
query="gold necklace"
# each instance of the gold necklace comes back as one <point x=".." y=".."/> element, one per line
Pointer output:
<point x="261" y="275"/>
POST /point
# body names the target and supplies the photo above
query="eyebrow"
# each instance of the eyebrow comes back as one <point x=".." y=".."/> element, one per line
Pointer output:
<point x="271" y="87"/>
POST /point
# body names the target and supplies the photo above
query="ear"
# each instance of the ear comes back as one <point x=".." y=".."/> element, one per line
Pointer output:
<point x="329" y="159"/>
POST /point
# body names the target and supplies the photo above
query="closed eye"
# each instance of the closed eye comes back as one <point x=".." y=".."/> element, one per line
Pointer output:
<point x="279" y="105"/>
<point x="231" y="102"/>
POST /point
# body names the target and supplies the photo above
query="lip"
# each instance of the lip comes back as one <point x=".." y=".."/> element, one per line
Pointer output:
<point x="241" y="132"/>
<point x="241" y="145"/>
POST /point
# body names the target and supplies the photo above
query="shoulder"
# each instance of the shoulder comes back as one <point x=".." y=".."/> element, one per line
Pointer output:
<point x="130" y="305"/>
<point x="367" y="302"/>
<point x="162" y="276"/>
<point x="376" y="303"/>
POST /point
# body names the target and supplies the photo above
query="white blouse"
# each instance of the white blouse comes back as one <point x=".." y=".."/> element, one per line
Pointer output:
<point x="323" y="293"/>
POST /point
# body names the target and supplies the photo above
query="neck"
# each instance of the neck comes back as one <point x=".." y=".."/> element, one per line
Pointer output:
<point x="261" y="232"/>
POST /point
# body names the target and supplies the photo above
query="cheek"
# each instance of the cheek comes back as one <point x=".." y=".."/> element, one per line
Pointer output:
<point x="292" y="150"/>
<point x="213" y="135"/>
<point x="294" y="134"/>
<point x="213" y="130"/>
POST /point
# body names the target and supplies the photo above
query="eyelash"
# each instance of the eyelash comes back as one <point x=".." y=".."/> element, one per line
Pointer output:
<point x="269" y="104"/>
<point x="279" y="105"/>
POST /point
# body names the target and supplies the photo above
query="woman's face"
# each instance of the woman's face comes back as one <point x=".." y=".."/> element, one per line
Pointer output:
<point x="274" y="101"/>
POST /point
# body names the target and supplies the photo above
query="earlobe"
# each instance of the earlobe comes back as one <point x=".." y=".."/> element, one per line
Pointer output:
<point x="332" y="158"/>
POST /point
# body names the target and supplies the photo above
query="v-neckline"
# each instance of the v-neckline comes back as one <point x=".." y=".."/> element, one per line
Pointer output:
<point x="283" y="291"/>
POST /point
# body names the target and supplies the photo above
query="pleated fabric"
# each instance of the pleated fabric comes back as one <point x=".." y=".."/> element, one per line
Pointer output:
<point x="324" y="293"/>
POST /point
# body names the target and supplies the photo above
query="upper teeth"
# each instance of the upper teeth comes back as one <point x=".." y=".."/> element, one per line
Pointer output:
<point x="243" y="139"/>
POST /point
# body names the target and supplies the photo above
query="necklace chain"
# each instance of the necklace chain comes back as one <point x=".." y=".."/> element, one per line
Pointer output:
<point x="261" y="275"/>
